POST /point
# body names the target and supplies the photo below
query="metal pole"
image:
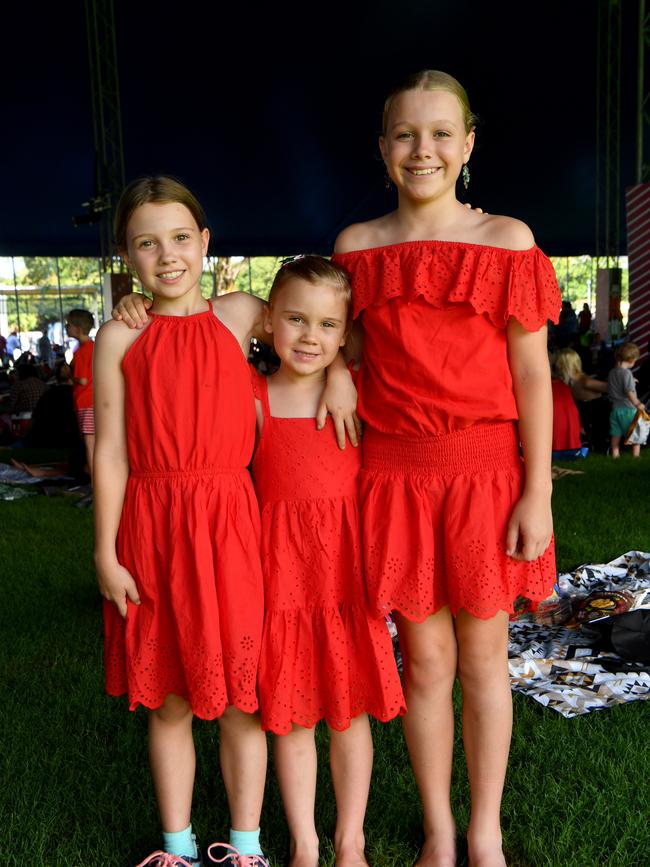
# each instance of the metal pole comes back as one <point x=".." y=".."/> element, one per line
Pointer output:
<point x="599" y="41"/>
<point x="618" y="200"/>
<point x="58" y="283"/>
<point x="567" y="294"/>
<point x="20" y="330"/>
<point x="99" y="302"/>
<point x="640" y="95"/>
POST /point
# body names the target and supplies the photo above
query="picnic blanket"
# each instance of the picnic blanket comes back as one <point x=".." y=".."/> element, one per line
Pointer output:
<point x="554" y="654"/>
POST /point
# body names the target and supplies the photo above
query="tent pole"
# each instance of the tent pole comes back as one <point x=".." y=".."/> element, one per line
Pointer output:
<point x="58" y="283"/>
<point x="13" y="265"/>
<point x="640" y="119"/>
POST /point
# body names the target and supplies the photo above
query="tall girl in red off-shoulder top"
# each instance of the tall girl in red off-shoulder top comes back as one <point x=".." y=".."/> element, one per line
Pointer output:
<point x="453" y="306"/>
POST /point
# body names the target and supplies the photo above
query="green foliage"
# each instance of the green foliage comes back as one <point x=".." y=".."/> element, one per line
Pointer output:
<point x="262" y="271"/>
<point x="228" y="274"/>
<point x="577" y="277"/>
<point x="40" y="304"/>
<point x="73" y="271"/>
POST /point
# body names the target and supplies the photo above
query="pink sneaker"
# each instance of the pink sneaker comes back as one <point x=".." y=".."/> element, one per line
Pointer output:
<point x="234" y="858"/>
<point x="164" y="859"/>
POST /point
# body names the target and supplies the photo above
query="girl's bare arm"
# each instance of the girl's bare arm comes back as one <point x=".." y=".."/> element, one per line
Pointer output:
<point x="110" y="463"/>
<point x="531" y="524"/>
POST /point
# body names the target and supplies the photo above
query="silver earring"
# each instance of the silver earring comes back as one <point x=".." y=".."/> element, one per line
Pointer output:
<point x="387" y="182"/>
<point x="465" y="175"/>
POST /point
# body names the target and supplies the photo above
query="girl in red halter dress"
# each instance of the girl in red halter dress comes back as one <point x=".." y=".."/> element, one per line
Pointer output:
<point x="453" y="306"/>
<point x="177" y="522"/>
<point x="323" y="655"/>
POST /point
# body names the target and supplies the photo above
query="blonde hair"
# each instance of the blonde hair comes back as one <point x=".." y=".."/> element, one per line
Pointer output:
<point x="160" y="189"/>
<point x="314" y="270"/>
<point x="567" y="365"/>
<point x="627" y="352"/>
<point x="432" y="79"/>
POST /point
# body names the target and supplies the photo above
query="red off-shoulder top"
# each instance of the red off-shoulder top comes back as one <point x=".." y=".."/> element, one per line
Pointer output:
<point x="434" y="316"/>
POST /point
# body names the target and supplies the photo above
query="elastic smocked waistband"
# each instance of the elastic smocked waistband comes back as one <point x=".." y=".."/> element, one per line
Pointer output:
<point x="195" y="472"/>
<point x="479" y="448"/>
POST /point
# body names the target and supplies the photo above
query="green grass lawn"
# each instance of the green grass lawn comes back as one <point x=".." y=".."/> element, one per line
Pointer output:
<point x="75" y="784"/>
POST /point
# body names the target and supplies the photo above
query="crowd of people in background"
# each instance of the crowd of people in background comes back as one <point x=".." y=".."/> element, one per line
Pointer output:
<point x="46" y="402"/>
<point x="598" y="386"/>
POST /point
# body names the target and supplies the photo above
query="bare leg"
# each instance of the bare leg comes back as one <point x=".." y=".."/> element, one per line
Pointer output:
<point x="89" y="442"/>
<point x="429" y="653"/>
<point x="172" y="759"/>
<point x="44" y="472"/>
<point x="295" y="765"/>
<point x="243" y="765"/>
<point x="351" y="764"/>
<point x="615" y="449"/>
<point x="636" y="451"/>
<point x="487" y="726"/>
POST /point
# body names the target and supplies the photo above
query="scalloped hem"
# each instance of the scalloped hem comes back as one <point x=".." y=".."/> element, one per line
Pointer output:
<point x="284" y="728"/>
<point x="479" y="615"/>
<point x="135" y="703"/>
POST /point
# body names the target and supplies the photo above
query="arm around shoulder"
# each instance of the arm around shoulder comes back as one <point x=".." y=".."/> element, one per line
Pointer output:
<point x="243" y="315"/>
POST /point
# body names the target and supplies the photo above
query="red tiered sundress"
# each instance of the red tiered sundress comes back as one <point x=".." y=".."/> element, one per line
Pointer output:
<point x="442" y="470"/>
<point x="323" y="655"/>
<point x="189" y="532"/>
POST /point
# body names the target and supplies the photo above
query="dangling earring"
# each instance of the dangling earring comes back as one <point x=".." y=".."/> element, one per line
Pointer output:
<point x="465" y="175"/>
<point x="387" y="182"/>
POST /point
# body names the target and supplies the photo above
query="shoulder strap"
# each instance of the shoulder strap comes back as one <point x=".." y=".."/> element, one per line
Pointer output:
<point x="261" y="391"/>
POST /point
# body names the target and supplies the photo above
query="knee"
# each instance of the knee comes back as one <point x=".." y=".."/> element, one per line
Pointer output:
<point x="238" y="721"/>
<point x="431" y="667"/>
<point x="173" y="710"/>
<point x="479" y="664"/>
<point x="300" y="740"/>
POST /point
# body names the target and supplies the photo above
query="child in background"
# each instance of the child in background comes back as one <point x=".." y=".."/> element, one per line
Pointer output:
<point x="621" y="390"/>
<point x="323" y="655"/>
<point x="566" y="420"/>
<point x="588" y="394"/>
<point x="79" y="324"/>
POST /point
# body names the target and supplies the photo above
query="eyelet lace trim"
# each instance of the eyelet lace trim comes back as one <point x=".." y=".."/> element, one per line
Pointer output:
<point x="496" y="282"/>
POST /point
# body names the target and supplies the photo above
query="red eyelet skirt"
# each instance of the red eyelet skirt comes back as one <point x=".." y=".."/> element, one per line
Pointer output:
<point x="435" y="513"/>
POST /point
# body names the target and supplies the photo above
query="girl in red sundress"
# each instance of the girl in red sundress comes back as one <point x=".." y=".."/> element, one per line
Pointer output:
<point x="323" y="655"/>
<point x="455" y="524"/>
<point x="176" y="519"/>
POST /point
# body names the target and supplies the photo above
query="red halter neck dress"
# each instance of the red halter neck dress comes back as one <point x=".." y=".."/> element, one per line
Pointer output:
<point x="189" y="532"/>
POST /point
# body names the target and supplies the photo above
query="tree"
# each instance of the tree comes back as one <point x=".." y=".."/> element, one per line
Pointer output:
<point x="239" y="274"/>
<point x="73" y="270"/>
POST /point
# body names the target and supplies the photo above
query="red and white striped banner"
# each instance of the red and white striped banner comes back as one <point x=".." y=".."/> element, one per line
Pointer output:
<point x="637" y="206"/>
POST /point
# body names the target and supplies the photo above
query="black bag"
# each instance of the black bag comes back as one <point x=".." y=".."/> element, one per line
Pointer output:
<point x="628" y="635"/>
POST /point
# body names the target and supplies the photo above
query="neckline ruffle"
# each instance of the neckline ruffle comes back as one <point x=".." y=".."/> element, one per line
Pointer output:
<point x="496" y="282"/>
